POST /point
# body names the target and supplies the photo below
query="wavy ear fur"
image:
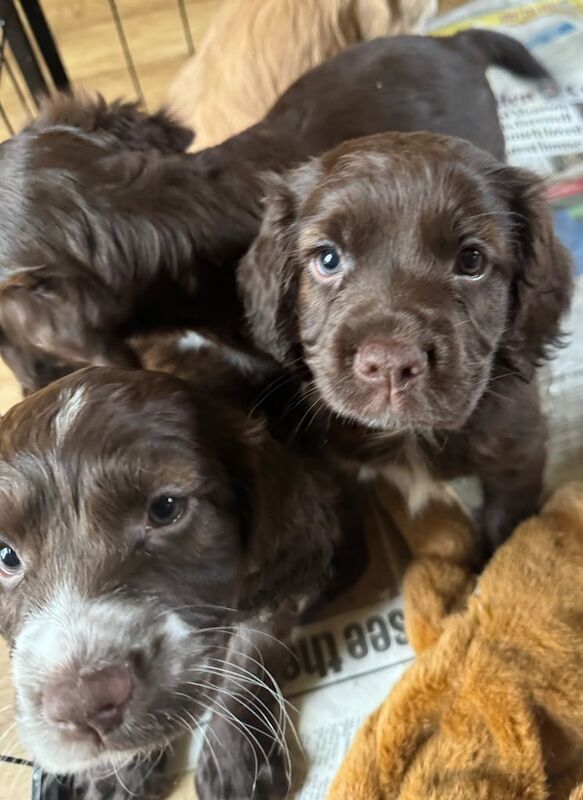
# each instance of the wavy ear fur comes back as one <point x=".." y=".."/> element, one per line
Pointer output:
<point x="133" y="128"/>
<point x="544" y="277"/>
<point x="267" y="275"/>
<point x="63" y="320"/>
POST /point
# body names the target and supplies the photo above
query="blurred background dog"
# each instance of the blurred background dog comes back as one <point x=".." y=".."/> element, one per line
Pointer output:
<point x="255" y="49"/>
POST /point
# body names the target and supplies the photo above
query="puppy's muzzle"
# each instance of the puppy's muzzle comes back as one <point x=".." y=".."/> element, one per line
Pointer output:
<point x="390" y="365"/>
<point x="89" y="703"/>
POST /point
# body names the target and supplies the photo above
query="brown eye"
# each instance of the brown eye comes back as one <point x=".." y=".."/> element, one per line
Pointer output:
<point x="470" y="263"/>
<point x="10" y="563"/>
<point x="166" y="510"/>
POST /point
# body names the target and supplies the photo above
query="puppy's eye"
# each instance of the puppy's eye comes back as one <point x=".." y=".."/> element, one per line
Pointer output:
<point x="166" y="510"/>
<point x="10" y="563"/>
<point x="327" y="263"/>
<point x="470" y="263"/>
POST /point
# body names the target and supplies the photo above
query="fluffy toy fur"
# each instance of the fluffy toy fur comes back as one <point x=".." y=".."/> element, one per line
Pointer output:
<point x="255" y="49"/>
<point x="494" y="709"/>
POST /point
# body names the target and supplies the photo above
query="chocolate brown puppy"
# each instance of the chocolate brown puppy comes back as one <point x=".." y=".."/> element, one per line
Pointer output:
<point x="108" y="229"/>
<point x="156" y="543"/>
<point x="415" y="283"/>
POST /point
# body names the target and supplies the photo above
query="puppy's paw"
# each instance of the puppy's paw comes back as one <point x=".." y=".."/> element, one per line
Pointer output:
<point x="237" y="771"/>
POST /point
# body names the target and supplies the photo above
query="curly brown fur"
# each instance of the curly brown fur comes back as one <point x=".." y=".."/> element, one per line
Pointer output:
<point x="108" y="229"/>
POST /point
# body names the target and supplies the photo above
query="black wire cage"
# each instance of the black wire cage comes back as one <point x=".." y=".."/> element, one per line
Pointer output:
<point x="31" y="65"/>
<point x="34" y="67"/>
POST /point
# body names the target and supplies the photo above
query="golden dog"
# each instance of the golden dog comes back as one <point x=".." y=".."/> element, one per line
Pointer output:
<point x="255" y="49"/>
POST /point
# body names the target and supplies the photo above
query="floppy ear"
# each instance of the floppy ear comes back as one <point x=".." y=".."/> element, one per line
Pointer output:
<point x="543" y="278"/>
<point x="126" y="122"/>
<point x="61" y="319"/>
<point x="267" y="275"/>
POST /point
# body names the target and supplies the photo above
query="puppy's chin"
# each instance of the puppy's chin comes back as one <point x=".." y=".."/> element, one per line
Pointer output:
<point x="419" y="411"/>
<point x="61" y="758"/>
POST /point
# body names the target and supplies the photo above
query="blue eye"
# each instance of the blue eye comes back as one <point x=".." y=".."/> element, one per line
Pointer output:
<point x="328" y="262"/>
<point x="9" y="561"/>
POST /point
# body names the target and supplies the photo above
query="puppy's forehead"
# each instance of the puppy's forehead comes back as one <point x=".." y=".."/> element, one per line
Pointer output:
<point x="363" y="199"/>
<point x="402" y="174"/>
<point x="101" y="406"/>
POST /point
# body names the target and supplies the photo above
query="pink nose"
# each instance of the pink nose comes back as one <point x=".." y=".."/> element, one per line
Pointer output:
<point x="90" y="701"/>
<point x="390" y="362"/>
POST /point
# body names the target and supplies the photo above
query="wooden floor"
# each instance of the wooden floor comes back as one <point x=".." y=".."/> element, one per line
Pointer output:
<point x="94" y="57"/>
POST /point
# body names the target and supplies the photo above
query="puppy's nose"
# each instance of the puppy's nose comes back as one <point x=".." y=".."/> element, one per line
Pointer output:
<point x="391" y="362"/>
<point x="90" y="700"/>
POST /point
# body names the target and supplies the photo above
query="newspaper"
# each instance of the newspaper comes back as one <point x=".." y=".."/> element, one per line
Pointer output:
<point x="344" y="665"/>
<point x="543" y="129"/>
<point x="343" y="669"/>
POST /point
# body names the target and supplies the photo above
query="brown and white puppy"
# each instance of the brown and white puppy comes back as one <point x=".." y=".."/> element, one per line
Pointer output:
<point x="155" y="543"/>
<point x="418" y="283"/>
<point x="108" y="229"/>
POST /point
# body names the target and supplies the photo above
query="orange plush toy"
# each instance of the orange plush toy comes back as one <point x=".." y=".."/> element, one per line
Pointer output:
<point x="493" y="709"/>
